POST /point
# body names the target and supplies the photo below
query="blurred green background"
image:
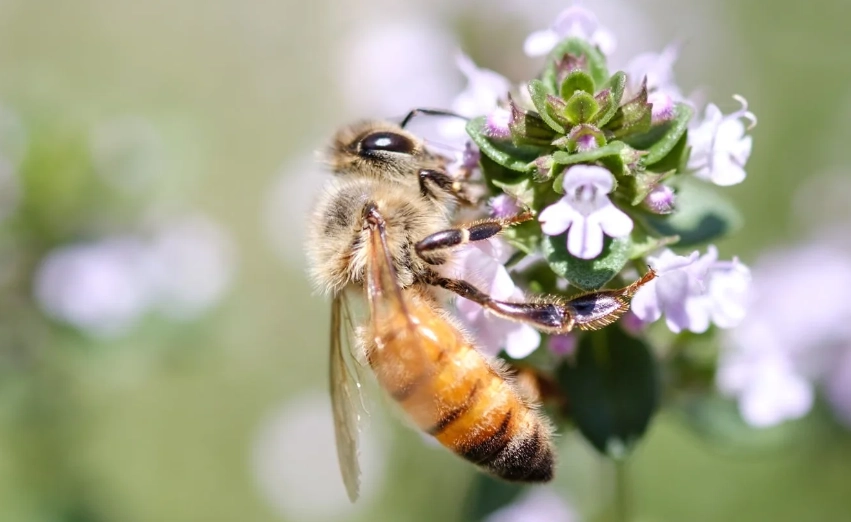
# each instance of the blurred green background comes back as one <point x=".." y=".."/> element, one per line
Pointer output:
<point x="223" y="417"/>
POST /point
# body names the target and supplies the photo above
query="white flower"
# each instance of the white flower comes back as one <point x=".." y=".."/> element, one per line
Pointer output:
<point x="294" y="463"/>
<point x="768" y="387"/>
<point x="481" y="97"/>
<point x="192" y="264"/>
<point x="794" y="338"/>
<point x="838" y="387"/>
<point x="658" y="68"/>
<point x="503" y="206"/>
<point x="485" y="88"/>
<point x="720" y="147"/>
<point x="694" y="291"/>
<point x="537" y="505"/>
<point x="97" y="287"/>
<point x="586" y="211"/>
<point x="575" y="21"/>
<point x="482" y="264"/>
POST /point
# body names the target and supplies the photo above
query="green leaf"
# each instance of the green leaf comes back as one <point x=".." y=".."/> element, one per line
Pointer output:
<point x="612" y="149"/>
<point x="525" y="237"/>
<point x="609" y="103"/>
<point x="595" y="62"/>
<point x="538" y="92"/>
<point x="487" y="495"/>
<point x="643" y="243"/>
<point x="614" y="389"/>
<point x="633" y="117"/>
<point x="576" y="81"/>
<point x="587" y="274"/>
<point x="504" y="153"/>
<point x="521" y="189"/>
<point x="677" y="158"/>
<point x="581" y="107"/>
<point x="702" y="215"/>
<point x="675" y="129"/>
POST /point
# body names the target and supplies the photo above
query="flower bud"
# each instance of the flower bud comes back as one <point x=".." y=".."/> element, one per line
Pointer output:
<point x="663" y="108"/>
<point x="496" y="124"/>
<point x="660" y="200"/>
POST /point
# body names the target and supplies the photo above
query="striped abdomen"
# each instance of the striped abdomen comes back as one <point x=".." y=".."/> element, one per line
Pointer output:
<point x="451" y="392"/>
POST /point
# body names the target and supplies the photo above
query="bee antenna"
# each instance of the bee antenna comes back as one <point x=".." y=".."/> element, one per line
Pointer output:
<point x="429" y="112"/>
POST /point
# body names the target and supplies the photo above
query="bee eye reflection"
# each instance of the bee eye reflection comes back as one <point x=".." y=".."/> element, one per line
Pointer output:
<point x="387" y="142"/>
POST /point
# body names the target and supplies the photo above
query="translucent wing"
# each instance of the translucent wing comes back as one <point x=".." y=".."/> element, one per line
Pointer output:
<point x="345" y="397"/>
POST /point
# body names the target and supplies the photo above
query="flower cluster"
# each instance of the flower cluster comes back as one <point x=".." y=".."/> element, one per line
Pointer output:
<point x="621" y="175"/>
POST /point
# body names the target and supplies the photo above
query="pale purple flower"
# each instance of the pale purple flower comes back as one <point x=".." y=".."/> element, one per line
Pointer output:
<point x="538" y="505"/>
<point x="769" y="389"/>
<point x="660" y="200"/>
<point x="720" y="147"/>
<point x="485" y="88"/>
<point x="563" y="345"/>
<point x="484" y="91"/>
<point x="99" y="287"/>
<point x="586" y="212"/>
<point x="694" y="291"/>
<point x="838" y="387"/>
<point x="663" y="107"/>
<point x="503" y="206"/>
<point x="795" y="337"/>
<point x="294" y="463"/>
<point x="482" y="264"/>
<point x="632" y="324"/>
<point x="191" y="262"/>
<point x="575" y="21"/>
<point x="414" y="68"/>
<point x="658" y="69"/>
<point x="496" y="124"/>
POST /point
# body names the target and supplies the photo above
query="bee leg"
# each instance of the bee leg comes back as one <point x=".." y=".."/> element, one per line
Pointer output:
<point x="551" y="314"/>
<point x="444" y="182"/>
<point x="478" y="231"/>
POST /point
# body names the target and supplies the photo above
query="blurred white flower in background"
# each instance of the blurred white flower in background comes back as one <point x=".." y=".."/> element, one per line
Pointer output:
<point x="99" y="287"/>
<point x="537" y="505"/>
<point x="104" y="287"/>
<point x="288" y="203"/>
<point x="796" y="336"/>
<point x="294" y="462"/>
<point x="389" y="66"/>
<point x="192" y="262"/>
<point x="573" y="22"/>
<point x="128" y="153"/>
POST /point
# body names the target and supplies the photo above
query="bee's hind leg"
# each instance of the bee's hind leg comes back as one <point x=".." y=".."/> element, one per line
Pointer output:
<point x="551" y="314"/>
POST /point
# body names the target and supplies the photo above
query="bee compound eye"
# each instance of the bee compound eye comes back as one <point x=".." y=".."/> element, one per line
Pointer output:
<point x="386" y="142"/>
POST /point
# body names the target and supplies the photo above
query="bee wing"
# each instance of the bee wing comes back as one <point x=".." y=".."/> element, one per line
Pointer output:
<point x="345" y="396"/>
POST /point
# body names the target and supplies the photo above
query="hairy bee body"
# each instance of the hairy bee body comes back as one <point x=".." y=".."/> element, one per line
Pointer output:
<point x="338" y="250"/>
<point x="416" y="350"/>
<point x="453" y="393"/>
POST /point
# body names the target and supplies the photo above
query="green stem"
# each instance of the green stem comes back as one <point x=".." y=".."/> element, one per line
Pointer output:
<point x="622" y="501"/>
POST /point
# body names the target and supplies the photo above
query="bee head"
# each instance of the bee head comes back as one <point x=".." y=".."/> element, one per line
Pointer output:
<point x="377" y="149"/>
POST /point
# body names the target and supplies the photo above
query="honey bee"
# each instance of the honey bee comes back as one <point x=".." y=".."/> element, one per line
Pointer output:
<point x="384" y="226"/>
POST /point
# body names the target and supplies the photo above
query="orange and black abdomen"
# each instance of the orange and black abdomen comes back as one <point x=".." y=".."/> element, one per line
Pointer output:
<point x="451" y="392"/>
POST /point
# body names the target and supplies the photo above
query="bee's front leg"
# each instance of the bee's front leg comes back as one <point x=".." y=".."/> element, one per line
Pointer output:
<point x="477" y="231"/>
